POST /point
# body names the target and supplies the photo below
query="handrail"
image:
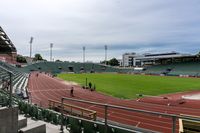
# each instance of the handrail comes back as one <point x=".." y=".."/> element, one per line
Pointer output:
<point x="7" y="70"/>
<point x="91" y="113"/>
<point x="106" y="106"/>
<point x="11" y="85"/>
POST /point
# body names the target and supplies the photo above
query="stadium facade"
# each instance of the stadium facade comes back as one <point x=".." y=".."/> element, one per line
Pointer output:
<point x="138" y="60"/>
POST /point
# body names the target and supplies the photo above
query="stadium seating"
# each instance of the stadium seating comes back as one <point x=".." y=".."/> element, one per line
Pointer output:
<point x="188" y="68"/>
<point x="175" y="69"/>
<point x="19" y="79"/>
<point x="75" y="67"/>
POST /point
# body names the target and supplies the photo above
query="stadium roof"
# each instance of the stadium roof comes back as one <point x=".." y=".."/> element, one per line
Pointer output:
<point x="164" y="56"/>
<point x="5" y="43"/>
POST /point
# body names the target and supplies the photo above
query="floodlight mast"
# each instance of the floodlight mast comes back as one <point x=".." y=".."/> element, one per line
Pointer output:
<point x="51" y="46"/>
<point x="83" y="54"/>
<point x="31" y="41"/>
<point x="106" y="49"/>
<point x="84" y="58"/>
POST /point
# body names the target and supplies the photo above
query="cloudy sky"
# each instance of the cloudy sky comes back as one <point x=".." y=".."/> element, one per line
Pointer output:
<point x="124" y="25"/>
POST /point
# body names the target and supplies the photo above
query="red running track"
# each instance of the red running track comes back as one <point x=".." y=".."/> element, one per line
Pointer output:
<point x="44" y="87"/>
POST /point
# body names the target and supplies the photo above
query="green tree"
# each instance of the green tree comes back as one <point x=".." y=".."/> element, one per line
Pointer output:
<point x="21" y="59"/>
<point x="103" y="62"/>
<point x="113" y="62"/>
<point x="58" y="60"/>
<point x="37" y="57"/>
<point x="198" y="55"/>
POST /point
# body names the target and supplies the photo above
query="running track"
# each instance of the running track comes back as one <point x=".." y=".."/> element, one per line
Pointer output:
<point x="44" y="87"/>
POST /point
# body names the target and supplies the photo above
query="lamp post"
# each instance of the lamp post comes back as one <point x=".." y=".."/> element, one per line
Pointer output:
<point x="51" y="46"/>
<point x="83" y="54"/>
<point x="106" y="48"/>
<point x="31" y="41"/>
<point x="84" y="58"/>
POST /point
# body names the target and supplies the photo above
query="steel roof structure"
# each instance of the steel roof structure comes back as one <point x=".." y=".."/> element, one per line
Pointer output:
<point x="6" y="45"/>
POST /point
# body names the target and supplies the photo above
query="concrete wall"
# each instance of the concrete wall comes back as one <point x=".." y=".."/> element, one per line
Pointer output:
<point x="8" y="120"/>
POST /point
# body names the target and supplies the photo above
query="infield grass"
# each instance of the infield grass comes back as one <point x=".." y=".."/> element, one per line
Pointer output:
<point x="127" y="86"/>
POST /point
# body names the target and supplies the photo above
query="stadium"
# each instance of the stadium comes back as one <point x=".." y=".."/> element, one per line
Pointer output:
<point x="90" y="97"/>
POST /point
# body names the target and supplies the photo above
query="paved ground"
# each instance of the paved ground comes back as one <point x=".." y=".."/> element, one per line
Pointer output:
<point x="50" y="128"/>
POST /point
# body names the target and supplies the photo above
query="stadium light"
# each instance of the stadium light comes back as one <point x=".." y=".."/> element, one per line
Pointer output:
<point x="84" y="58"/>
<point x="83" y="54"/>
<point x="106" y="48"/>
<point x="31" y="41"/>
<point x="51" y="46"/>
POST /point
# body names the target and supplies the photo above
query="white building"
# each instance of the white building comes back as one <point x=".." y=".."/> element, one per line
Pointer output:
<point x="133" y="59"/>
<point x="128" y="59"/>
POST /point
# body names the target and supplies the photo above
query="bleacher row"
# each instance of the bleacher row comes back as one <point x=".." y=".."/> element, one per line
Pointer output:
<point x="19" y="79"/>
<point x="76" y="67"/>
<point x="175" y="69"/>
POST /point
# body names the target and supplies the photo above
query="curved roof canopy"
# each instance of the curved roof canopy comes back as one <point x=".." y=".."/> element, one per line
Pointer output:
<point x="6" y="46"/>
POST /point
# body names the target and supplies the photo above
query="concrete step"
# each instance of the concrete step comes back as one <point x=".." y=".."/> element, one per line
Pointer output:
<point x="37" y="127"/>
<point x="22" y="121"/>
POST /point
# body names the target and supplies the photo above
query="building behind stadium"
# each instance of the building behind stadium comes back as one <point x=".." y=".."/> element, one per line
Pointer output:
<point x="139" y="60"/>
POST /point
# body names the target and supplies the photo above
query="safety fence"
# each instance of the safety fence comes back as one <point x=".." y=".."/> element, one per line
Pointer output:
<point x="81" y="125"/>
<point x="73" y="124"/>
<point x="73" y="110"/>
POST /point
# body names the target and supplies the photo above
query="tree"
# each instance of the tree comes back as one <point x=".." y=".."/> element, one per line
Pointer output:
<point x="113" y="62"/>
<point x="37" y="57"/>
<point x="103" y="62"/>
<point x="58" y="60"/>
<point x="21" y="59"/>
<point x="198" y="55"/>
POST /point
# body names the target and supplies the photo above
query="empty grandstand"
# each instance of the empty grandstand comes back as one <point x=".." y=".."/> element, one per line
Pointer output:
<point x="35" y="93"/>
<point x="70" y="67"/>
<point x="19" y="80"/>
<point x="185" y="69"/>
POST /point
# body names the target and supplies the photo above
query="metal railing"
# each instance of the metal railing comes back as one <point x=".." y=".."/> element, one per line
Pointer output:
<point x="72" y="109"/>
<point x="10" y="82"/>
<point x="106" y="106"/>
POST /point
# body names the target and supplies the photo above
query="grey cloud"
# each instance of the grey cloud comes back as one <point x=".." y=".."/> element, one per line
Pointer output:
<point x="123" y="25"/>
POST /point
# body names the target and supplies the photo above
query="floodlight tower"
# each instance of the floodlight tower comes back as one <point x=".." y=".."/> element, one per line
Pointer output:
<point x="31" y="41"/>
<point x="51" y="46"/>
<point x="106" y="49"/>
<point x="83" y="54"/>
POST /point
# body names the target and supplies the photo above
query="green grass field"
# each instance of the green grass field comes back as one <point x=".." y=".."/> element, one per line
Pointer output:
<point x="127" y="86"/>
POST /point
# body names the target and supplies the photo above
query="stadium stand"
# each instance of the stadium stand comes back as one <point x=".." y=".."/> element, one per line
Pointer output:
<point x="175" y="69"/>
<point x="19" y="79"/>
<point x="78" y="118"/>
<point x="187" y="68"/>
<point x="74" y="67"/>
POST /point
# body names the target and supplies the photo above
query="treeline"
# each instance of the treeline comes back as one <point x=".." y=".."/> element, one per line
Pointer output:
<point x="111" y="62"/>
